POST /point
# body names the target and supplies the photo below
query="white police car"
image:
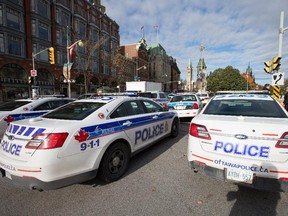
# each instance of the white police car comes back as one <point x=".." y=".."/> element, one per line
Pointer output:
<point x="27" y="108"/>
<point x="241" y="138"/>
<point x="186" y="105"/>
<point x="71" y="144"/>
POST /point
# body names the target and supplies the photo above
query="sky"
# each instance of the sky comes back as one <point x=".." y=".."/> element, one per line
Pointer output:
<point x="234" y="33"/>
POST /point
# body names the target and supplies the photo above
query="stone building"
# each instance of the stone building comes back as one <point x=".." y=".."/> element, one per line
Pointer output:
<point x="153" y="64"/>
<point x="201" y="82"/>
<point x="189" y="79"/>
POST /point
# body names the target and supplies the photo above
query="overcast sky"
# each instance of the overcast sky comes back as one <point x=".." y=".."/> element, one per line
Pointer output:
<point x="236" y="33"/>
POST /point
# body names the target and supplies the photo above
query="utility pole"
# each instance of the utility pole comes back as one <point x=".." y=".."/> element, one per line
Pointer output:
<point x="281" y="32"/>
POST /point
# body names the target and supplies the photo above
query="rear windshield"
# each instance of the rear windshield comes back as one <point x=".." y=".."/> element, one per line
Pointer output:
<point x="256" y="108"/>
<point x="9" y="106"/>
<point x="74" y="111"/>
<point x="179" y="98"/>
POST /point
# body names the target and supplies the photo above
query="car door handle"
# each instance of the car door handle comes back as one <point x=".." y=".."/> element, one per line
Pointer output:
<point x="127" y="123"/>
<point x="155" y="117"/>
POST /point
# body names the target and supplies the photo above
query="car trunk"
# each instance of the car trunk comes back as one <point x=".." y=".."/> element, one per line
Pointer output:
<point x="257" y="139"/>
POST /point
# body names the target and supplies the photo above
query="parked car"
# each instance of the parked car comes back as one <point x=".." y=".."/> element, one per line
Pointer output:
<point x="84" y="138"/>
<point x="186" y="105"/>
<point x="204" y="97"/>
<point x="241" y="138"/>
<point x="158" y="96"/>
<point x="27" y="108"/>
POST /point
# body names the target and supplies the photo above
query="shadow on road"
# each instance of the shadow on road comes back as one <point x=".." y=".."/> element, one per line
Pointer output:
<point x="253" y="202"/>
<point x="146" y="156"/>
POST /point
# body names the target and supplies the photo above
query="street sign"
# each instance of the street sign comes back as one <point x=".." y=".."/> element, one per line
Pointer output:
<point x="278" y="78"/>
<point x="33" y="73"/>
<point x="276" y="91"/>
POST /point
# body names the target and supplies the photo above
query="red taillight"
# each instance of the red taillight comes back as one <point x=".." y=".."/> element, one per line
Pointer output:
<point x="47" y="141"/>
<point x="199" y="131"/>
<point x="195" y="106"/>
<point x="166" y="106"/>
<point x="283" y="141"/>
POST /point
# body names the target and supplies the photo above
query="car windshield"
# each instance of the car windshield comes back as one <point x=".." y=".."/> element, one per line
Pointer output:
<point x="9" y="106"/>
<point x="74" y="111"/>
<point x="179" y="98"/>
<point x="256" y="108"/>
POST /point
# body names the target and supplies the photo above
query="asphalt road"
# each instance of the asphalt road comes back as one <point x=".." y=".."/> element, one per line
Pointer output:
<point x="159" y="182"/>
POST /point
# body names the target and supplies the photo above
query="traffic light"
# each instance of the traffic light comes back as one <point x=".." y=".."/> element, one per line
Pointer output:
<point x="51" y="55"/>
<point x="267" y="68"/>
<point x="276" y="63"/>
<point x="29" y="80"/>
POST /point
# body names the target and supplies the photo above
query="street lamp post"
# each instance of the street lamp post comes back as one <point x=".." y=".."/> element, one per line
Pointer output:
<point x="136" y="78"/>
<point x="80" y="43"/>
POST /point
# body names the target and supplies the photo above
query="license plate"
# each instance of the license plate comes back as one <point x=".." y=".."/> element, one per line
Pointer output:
<point x="239" y="175"/>
<point x="180" y="107"/>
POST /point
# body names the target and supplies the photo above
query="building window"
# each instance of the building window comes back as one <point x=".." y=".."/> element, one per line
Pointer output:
<point x="43" y="55"/>
<point x="65" y="20"/>
<point x="43" y="31"/>
<point x="1" y="15"/>
<point x="94" y="66"/>
<point x="33" y="26"/>
<point x="14" y="45"/>
<point x="58" y="37"/>
<point x="13" y="19"/>
<point x="2" y="47"/>
<point x="43" y="8"/>
<point x="59" y="60"/>
<point x="57" y="17"/>
<point x="94" y="35"/>
<point x="81" y="28"/>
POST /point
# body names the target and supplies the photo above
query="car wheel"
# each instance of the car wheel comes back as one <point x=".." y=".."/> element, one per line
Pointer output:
<point x="175" y="128"/>
<point x="114" y="162"/>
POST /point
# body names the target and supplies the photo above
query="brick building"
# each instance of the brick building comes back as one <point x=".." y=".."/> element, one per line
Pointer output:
<point x="32" y="26"/>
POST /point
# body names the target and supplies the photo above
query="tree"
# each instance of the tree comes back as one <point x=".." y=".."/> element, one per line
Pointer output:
<point x="226" y="79"/>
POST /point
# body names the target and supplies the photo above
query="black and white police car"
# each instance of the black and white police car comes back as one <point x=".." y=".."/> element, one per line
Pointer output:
<point x="241" y="138"/>
<point x="85" y="137"/>
<point x="27" y="108"/>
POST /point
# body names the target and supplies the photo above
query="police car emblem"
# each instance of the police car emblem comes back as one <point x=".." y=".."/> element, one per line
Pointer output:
<point x="241" y="136"/>
<point x="11" y="137"/>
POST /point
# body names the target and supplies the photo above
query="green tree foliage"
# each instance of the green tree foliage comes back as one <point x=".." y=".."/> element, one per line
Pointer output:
<point x="225" y="80"/>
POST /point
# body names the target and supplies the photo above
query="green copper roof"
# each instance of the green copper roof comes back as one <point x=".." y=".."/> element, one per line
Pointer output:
<point x="201" y="62"/>
<point x="156" y="49"/>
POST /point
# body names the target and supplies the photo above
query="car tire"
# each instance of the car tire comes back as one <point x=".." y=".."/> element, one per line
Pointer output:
<point x="175" y="128"/>
<point x="114" y="162"/>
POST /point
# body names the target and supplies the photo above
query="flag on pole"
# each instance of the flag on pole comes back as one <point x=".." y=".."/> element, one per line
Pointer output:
<point x="142" y="27"/>
<point x="156" y="27"/>
<point x="143" y="32"/>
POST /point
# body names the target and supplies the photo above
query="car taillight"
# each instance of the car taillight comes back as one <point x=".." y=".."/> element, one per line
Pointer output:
<point x="195" y="106"/>
<point x="283" y="141"/>
<point x="47" y="141"/>
<point x="166" y="106"/>
<point x="199" y="131"/>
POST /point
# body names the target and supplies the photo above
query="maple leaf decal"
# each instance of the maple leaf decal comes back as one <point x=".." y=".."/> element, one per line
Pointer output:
<point x="82" y="136"/>
<point x="9" y="119"/>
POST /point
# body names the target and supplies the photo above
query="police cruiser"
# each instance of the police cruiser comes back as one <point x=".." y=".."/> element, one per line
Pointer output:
<point x="27" y="108"/>
<point x="85" y="137"/>
<point x="241" y="138"/>
<point x="186" y="105"/>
